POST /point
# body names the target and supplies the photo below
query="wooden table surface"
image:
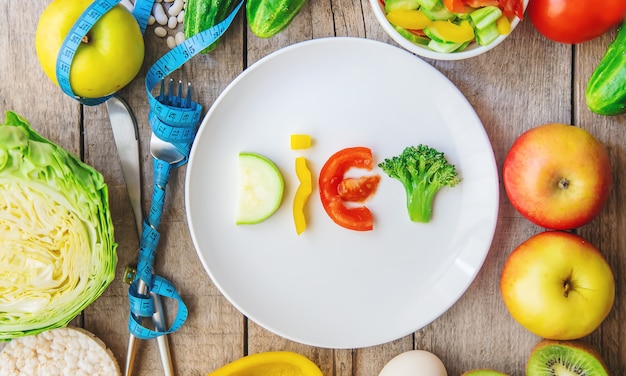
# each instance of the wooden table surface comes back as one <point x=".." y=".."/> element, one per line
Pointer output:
<point x="526" y="81"/>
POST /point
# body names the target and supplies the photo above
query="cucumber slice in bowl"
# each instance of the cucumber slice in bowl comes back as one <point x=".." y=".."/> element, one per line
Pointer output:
<point x="261" y="187"/>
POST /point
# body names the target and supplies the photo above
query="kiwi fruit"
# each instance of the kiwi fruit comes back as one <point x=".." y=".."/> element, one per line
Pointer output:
<point x="483" y="372"/>
<point x="559" y="358"/>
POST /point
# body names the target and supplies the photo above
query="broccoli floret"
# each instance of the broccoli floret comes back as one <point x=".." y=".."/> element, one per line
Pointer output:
<point x="423" y="171"/>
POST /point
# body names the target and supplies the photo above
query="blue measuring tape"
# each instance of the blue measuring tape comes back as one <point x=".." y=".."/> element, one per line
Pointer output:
<point x="170" y="123"/>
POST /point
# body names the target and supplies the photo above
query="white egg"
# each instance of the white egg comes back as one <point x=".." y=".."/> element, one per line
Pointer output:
<point x="414" y="363"/>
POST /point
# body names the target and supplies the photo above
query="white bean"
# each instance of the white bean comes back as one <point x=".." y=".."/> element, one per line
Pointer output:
<point x="179" y="37"/>
<point x="160" y="31"/>
<point x="172" y="22"/>
<point x="159" y="14"/>
<point x="151" y="20"/>
<point x="171" y="42"/>
<point x="181" y="16"/>
<point x="176" y="7"/>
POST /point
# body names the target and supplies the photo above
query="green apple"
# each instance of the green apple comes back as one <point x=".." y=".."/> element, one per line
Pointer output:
<point x="557" y="285"/>
<point x="558" y="176"/>
<point x="261" y="187"/>
<point x="107" y="59"/>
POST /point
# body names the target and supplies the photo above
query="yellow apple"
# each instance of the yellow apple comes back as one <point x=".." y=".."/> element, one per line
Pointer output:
<point x="557" y="285"/>
<point x="108" y="58"/>
<point x="558" y="176"/>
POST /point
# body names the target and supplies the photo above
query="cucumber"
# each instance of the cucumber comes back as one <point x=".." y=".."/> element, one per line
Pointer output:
<point x="422" y="41"/>
<point x="201" y="15"/>
<point x="261" y="187"/>
<point x="444" y="47"/>
<point x="487" y="35"/>
<point x="430" y="4"/>
<point x="484" y="17"/>
<point x="391" y="5"/>
<point x="267" y="18"/>
<point x="606" y="90"/>
<point x="439" y="13"/>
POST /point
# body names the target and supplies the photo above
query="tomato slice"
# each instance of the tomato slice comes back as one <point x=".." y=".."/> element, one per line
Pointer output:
<point x="512" y="8"/>
<point x="358" y="189"/>
<point x="331" y="175"/>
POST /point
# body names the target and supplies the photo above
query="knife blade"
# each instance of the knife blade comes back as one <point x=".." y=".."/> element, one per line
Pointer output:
<point x="126" y="135"/>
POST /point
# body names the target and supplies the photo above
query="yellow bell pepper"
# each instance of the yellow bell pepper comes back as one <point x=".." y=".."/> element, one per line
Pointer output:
<point x="451" y="32"/>
<point x="503" y="24"/>
<point x="300" y="141"/>
<point x="271" y="363"/>
<point x="412" y="19"/>
<point x="302" y="194"/>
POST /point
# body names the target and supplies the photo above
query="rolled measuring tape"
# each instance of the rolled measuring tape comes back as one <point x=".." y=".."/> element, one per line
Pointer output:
<point x="170" y="123"/>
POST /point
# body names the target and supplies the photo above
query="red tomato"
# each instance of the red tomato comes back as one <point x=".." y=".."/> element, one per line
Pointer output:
<point x="575" y="21"/>
<point x="331" y="175"/>
<point x="358" y="189"/>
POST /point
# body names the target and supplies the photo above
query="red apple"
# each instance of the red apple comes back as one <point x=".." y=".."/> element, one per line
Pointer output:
<point x="557" y="285"/>
<point x="558" y="176"/>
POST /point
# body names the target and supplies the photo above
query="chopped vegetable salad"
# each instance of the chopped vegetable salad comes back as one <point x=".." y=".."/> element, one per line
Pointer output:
<point x="452" y="25"/>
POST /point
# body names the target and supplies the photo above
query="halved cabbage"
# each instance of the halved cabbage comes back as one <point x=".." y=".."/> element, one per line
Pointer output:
<point x="57" y="251"/>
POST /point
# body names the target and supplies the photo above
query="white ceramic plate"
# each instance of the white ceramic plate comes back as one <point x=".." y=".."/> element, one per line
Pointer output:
<point x="332" y="287"/>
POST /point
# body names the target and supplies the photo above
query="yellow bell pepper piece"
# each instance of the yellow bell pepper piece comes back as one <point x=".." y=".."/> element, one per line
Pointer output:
<point x="302" y="194"/>
<point x="451" y="32"/>
<point x="503" y="24"/>
<point x="413" y="19"/>
<point x="270" y="363"/>
<point x="300" y="141"/>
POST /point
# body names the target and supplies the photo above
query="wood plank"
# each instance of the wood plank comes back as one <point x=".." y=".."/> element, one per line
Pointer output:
<point x="26" y="89"/>
<point x="605" y="232"/>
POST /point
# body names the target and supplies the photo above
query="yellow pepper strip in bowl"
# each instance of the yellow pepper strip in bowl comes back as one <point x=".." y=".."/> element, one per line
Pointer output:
<point x="412" y="19"/>
<point x="503" y="24"/>
<point x="302" y="194"/>
<point x="270" y="363"/>
<point x="454" y="33"/>
<point x="300" y="141"/>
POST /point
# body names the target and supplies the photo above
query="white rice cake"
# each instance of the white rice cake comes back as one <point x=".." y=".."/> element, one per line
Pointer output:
<point x="57" y="352"/>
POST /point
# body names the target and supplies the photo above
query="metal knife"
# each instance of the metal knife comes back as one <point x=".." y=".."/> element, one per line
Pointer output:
<point x="126" y="134"/>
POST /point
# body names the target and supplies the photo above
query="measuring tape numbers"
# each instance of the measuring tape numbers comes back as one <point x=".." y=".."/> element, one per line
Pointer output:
<point x="170" y="123"/>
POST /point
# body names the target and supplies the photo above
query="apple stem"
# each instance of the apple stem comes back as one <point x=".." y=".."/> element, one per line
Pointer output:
<point x="566" y="288"/>
<point x="85" y="39"/>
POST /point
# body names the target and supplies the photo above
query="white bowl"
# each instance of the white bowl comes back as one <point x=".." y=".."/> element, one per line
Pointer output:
<point x="472" y="50"/>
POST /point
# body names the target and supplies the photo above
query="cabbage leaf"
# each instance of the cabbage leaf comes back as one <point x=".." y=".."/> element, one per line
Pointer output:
<point x="57" y="249"/>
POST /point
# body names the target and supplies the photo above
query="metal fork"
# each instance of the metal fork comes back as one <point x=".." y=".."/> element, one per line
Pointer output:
<point x="164" y="150"/>
<point x="165" y="155"/>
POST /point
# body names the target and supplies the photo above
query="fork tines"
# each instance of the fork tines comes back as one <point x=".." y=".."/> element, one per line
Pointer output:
<point x="171" y="99"/>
